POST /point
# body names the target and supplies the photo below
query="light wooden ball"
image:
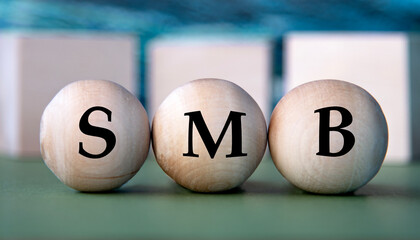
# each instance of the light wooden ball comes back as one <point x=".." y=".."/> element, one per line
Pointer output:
<point x="61" y="135"/>
<point x="215" y="99"/>
<point x="294" y="133"/>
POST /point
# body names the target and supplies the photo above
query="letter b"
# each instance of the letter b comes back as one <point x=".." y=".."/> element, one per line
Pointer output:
<point x="325" y="129"/>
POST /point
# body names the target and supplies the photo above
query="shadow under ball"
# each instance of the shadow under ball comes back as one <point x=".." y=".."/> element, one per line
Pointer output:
<point x="311" y="162"/>
<point x="104" y="155"/>
<point x="193" y="120"/>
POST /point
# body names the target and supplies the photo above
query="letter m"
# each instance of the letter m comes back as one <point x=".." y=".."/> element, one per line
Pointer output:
<point x="233" y="119"/>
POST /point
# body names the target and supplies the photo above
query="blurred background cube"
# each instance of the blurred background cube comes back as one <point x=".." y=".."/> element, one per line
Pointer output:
<point x="385" y="64"/>
<point x="245" y="61"/>
<point x="34" y="67"/>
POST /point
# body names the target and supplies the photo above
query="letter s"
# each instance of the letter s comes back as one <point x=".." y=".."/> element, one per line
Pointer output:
<point x="104" y="133"/>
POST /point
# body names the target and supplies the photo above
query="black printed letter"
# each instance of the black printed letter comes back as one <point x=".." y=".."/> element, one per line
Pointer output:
<point x="197" y="119"/>
<point x="104" y="133"/>
<point x="325" y="129"/>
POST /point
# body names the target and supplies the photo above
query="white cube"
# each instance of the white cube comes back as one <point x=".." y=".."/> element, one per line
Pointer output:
<point x="34" y="67"/>
<point x="381" y="63"/>
<point x="175" y="61"/>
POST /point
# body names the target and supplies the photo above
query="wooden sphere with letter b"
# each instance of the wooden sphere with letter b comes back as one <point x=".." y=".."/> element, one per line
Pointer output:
<point x="328" y="137"/>
<point x="95" y="135"/>
<point x="209" y="135"/>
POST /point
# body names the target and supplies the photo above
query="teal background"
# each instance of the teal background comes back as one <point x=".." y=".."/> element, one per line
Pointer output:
<point x="150" y="19"/>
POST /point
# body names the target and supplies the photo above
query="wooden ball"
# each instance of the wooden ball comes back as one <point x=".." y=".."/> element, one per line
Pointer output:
<point x="94" y="135"/>
<point x="328" y="137"/>
<point x="209" y="135"/>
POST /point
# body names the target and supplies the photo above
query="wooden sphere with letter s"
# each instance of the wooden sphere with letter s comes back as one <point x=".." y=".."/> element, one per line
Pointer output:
<point x="209" y="135"/>
<point x="328" y="137"/>
<point x="95" y="135"/>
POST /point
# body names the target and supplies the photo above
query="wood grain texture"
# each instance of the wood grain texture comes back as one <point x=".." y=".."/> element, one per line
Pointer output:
<point x="215" y="99"/>
<point x="294" y="137"/>
<point x="60" y="135"/>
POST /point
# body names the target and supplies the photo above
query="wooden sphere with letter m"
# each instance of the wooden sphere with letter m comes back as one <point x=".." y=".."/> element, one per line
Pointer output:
<point x="209" y="135"/>
<point x="328" y="137"/>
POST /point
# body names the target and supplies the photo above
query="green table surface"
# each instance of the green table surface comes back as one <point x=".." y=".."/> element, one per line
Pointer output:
<point x="35" y="204"/>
